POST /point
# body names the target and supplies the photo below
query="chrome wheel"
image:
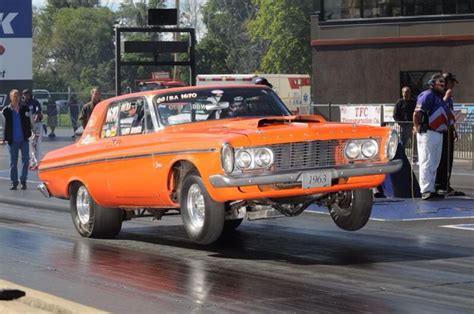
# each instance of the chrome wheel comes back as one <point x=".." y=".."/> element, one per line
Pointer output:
<point x="83" y="205"/>
<point x="196" y="206"/>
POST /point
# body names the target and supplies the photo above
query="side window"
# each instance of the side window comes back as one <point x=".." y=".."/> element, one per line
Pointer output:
<point x="132" y="117"/>
<point x="110" y="127"/>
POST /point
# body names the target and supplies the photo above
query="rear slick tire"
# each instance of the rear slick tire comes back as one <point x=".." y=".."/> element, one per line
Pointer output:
<point x="203" y="218"/>
<point x="352" y="209"/>
<point x="90" y="219"/>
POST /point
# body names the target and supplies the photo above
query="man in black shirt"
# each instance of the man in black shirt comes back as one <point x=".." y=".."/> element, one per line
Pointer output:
<point x="403" y="114"/>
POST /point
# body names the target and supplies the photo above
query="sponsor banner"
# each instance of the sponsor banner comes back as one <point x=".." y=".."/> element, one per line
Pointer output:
<point x="388" y="113"/>
<point x="15" y="19"/>
<point x="361" y="114"/>
<point x="464" y="113"/>
<point x="16" y="59"/>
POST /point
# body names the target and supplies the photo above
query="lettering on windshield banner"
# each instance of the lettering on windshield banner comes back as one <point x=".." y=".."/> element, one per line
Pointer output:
<point x="16" y="19"/>
<point x="170" y="98"/>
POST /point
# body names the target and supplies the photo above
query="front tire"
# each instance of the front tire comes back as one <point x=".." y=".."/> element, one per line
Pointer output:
<point x="351" y="209"/>
<point x="90" y="219"/>
<point x="203" y="218"/>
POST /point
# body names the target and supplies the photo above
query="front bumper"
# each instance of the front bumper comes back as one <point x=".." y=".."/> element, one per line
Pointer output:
<point x="44" y="190"/>
<point x="221" y="181"/>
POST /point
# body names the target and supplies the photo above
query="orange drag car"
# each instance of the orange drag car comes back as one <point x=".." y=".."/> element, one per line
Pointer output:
<point x="216" y="154"/>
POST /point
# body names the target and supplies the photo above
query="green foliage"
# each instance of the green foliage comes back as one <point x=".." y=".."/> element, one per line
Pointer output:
<point x="226" y="47"/>
<point x="285" y="26"/>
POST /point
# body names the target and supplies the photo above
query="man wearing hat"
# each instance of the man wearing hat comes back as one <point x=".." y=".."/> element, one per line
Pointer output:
<point x="443" y="174"/>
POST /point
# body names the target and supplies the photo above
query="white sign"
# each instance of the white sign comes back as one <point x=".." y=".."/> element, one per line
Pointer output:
<point x="388" y="113"/>
<point x="16" y="59"/>
<point x="361" y="114"/>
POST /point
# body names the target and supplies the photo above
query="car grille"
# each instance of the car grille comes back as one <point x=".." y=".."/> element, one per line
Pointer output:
<point x="302" y="155"/>
<point x="314" y="154"/>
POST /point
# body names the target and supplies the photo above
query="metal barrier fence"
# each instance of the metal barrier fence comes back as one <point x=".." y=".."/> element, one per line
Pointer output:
<point x="463" y="148"/>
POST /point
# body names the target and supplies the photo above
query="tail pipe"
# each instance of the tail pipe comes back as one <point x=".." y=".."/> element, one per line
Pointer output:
<point x="44" y="190"/>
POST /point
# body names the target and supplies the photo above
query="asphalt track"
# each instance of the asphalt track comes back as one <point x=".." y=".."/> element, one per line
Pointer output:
<point x="412" y="256"/>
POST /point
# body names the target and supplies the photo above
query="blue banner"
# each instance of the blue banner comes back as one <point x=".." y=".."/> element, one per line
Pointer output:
<point x="16" y="19"/>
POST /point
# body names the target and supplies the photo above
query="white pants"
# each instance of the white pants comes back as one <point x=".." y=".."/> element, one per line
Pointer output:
<point x="430" y="146"/>
<point x="35" y="143"/>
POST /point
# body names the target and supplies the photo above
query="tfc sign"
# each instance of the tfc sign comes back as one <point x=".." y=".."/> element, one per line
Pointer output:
<point x="361" y="114"/>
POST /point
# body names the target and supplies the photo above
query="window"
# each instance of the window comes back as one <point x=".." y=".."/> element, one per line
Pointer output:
<point x="213" y="104"/>
<point x="416" y="80"/>
<point x="341" y="9"/>
<point x="126" y="118"/>
<point x="132" y="117"/>
<point x="422" y="7"/>
<point x="382" y="8"/>
<point x="110" y="127"/>
<point x="458" y="7"/>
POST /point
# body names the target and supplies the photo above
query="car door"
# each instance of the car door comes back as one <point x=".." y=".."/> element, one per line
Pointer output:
<point x="130" y="156"/>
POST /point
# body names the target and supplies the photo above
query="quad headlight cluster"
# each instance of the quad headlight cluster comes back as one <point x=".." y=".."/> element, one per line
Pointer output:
<point x="245" y="158"/>
<point x="361" y="149"/>
<point x="391" y="145"/>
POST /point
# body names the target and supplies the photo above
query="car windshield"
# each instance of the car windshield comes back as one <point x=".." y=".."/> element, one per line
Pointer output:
<point x="217" y="103"/>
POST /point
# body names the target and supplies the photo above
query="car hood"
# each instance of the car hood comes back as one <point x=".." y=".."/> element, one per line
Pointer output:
<point x="275" y="130"/>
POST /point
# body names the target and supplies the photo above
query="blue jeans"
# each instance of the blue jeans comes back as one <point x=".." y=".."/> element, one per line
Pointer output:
<point x="14" y="148"/>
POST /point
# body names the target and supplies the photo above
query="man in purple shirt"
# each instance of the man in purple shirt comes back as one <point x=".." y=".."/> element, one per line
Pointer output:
<point x="431" y="119"/>
<point x="17" y="133"/>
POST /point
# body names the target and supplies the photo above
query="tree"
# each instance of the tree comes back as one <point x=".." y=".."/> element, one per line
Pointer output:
<point x="285" y="27"/>
<point x="226" y="46"/>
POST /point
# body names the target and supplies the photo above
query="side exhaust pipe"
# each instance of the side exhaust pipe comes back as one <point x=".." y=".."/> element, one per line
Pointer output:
<point x="44" y="190"/>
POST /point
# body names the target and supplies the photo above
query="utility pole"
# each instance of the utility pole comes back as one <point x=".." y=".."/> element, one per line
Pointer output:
<point x="176" y="36"/>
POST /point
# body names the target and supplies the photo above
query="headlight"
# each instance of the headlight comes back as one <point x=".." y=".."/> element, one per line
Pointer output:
<point x="227" y="158"/>
<point x="352" y="150"/>
<point x="243" y="159"/>
<point x="369" y="148"/>
<point x="263" y="157"/>
<point x="391" y="145"/>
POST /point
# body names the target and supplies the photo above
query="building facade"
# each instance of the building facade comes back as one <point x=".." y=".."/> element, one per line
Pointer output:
<point x="364" y="51"/>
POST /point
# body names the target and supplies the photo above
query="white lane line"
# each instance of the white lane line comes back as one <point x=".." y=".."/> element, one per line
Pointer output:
<point x="469" y="227"/>
<point x="31" y="181"/>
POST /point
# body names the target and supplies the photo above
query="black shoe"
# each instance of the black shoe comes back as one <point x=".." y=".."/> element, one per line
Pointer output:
<point x="13" y="186"/>
<point x="379" y="195"/>
<point x="23" y="185"/>
<point x="431" y="196"/>
<point x="452" y="192"/>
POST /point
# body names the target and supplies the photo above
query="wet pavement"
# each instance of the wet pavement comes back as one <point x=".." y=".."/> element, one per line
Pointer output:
<point x="412" y="256"/>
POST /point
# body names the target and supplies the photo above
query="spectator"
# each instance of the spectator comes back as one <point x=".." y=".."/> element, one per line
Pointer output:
<point x="443" y="175"/>
<point x="263" y="81"/>
<point x="89" y="107"/>
<point x="17" y="133"/>
<point x="74" y="114"/>
<point x="431" y="118"/>
<point x="36" y="117"/>
<point x="403" y="114"/>
<point x="52" y="111"/>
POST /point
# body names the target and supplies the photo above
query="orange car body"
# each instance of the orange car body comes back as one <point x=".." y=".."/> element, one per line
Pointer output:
<point x="139" y="171"/>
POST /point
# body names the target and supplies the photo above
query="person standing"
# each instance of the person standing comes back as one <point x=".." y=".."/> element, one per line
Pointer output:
<point x="431" y="119"/>
<point x="403" y="114"/>
<point x="87" y="109"/>
<point x="443" y="175"/>
<point x="17" y="133"/>
<point x="52" y="111"/>
<point x="74" y="114"/>
<point x="37" y="126"/>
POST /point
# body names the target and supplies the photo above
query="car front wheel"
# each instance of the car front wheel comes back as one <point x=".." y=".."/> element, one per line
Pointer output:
<point x="203" y="218"/>
<point x="351" y="210"/>
<point x="90" y="219"/>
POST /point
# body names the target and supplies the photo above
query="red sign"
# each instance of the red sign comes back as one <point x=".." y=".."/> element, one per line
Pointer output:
<point x="2" y="50"/>
<point x="298" y="82"/>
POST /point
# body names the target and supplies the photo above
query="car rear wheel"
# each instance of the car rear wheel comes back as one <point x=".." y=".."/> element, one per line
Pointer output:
<point x="203" y="218"/>
<point x="351" y="210"/>
<point x="90" y="219"/>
